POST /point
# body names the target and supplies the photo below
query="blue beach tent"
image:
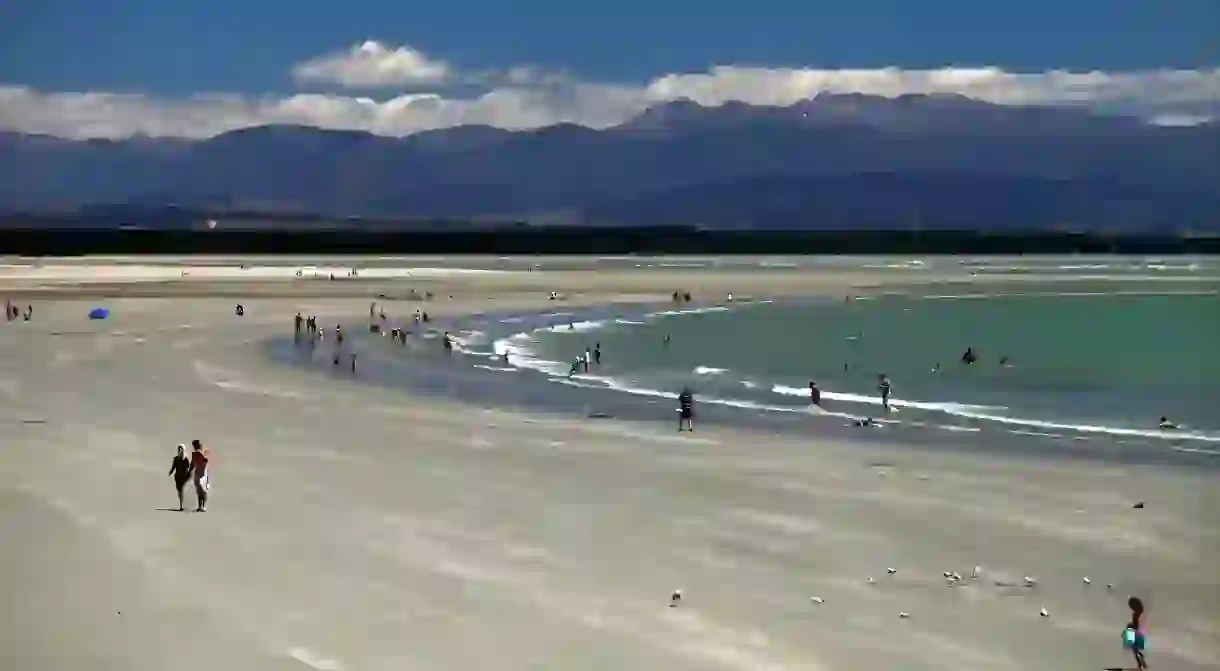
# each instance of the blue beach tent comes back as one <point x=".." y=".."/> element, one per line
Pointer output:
<point x="99" y="313"/>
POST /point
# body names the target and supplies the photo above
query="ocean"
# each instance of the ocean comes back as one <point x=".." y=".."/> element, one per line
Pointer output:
<point x="1097" y="350"/>
<point x="1083" y="359"/>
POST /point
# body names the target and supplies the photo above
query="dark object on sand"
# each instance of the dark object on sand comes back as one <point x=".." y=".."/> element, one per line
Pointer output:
<point x="374" y="328"/>
<point x="1139" y="505"/>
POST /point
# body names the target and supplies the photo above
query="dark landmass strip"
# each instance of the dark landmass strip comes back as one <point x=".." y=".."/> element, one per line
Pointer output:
<point x="834" y="162"/>
<point x="517" y="239"/>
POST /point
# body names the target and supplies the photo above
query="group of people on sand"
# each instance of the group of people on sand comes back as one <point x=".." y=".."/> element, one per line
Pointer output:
<point x="184" y="469"/>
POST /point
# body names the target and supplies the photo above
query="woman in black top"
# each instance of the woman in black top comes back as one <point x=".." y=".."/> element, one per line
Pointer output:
<point x="181" y="470"/>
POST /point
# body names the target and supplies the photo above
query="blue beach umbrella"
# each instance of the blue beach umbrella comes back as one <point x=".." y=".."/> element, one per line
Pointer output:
<point x="99" y="313"/>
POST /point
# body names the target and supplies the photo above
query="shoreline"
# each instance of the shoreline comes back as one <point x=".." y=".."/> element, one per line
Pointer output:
<point x="480" y="377"/>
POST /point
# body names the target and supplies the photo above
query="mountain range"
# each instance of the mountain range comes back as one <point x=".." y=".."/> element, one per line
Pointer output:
<point x="830" y="162"/>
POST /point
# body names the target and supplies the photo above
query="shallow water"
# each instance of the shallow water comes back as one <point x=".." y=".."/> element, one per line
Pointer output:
<point x="1079" y="361"/>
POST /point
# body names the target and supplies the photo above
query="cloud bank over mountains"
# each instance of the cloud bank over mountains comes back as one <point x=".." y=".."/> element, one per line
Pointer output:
<point x="398" y="91"/>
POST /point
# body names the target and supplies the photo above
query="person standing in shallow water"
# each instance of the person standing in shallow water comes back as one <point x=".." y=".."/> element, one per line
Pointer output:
<point x="180" y="469"/>
<point x="686" y="410"/>
<point x="883" y="386"/>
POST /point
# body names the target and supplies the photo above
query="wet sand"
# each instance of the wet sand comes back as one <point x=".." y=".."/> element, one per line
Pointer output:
<point x="354" y="526"/>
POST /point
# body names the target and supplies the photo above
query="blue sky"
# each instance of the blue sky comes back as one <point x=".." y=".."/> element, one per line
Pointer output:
<point x="180" y="46"/>
<point x="114" y="68"/>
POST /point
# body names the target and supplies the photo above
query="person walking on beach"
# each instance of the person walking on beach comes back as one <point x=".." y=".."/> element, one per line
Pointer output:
<point x="180" y="469"/>
<point x="199" y="469"/>
<point x="686" y="410"/>
<point x="883" y="386"/>
<point x="1133" y="635"/>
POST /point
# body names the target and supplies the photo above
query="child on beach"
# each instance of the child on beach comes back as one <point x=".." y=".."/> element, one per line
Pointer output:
<point x="1133" y="635"/>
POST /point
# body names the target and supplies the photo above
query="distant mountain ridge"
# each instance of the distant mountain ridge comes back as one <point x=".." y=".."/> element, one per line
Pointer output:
<point x="833" y="161"/>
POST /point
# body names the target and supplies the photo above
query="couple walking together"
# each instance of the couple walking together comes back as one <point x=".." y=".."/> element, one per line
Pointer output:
<point x="196" y="468"/>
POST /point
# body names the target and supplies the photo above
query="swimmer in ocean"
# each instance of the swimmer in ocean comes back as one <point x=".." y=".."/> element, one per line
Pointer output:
<point x="969" y="356"/>
<point x="1166" y="425"/>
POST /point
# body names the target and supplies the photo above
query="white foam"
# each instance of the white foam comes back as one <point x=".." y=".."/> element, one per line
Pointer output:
<point x="689" y="311"/>
<point x="1087" y="428"/>
<point x="708" y="370"/>
<point x="520" y="355"/>
<point x="575" y="327"/>
<point x="876" y="400"/>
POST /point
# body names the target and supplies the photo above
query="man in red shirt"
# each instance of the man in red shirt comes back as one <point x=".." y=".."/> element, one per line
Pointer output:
<point x="199" y="469"/>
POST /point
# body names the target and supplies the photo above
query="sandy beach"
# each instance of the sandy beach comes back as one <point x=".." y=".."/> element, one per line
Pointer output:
<point x="355" y="527"/>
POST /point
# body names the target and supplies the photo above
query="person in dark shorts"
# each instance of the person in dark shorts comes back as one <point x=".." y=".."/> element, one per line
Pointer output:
<point x="1133" y="635"/>
<point x="199" y="469"/>
<point x="686" y="410"/>
<point x="181" y="470"/>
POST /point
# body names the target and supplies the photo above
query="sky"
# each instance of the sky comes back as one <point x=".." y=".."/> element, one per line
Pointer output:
<point x="115" y="68"/>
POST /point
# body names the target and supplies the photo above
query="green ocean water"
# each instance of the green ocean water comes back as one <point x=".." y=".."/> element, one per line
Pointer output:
<point x="1082" y="357"/>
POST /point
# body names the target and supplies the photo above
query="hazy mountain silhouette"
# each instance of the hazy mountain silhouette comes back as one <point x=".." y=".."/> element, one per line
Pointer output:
<point x="834" y="161"/>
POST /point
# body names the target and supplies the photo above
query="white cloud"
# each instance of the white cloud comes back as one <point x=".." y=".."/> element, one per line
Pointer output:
<point x="373" y="65"/>
<point x="521" y="97"/>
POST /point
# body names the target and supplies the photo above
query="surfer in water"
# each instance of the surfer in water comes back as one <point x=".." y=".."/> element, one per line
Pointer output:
<point x="883" y="386"/>
<point x="686" y="410"/>
<point x="1166" y="425"/>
